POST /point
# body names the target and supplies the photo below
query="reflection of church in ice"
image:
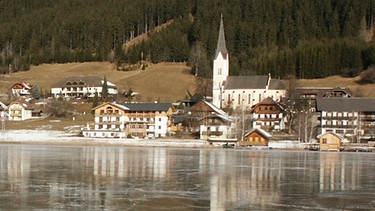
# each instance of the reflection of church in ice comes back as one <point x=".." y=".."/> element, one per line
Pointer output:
<point x="225" y="178"/>
<point x="257" y="181"/>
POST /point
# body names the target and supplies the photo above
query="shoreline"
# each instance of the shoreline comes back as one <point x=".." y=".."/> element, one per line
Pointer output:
<point x="61" y="138"/>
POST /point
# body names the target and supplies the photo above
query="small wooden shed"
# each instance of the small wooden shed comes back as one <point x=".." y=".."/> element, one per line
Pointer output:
<point x="256" y="137"/>
<point x="330" y="141"/>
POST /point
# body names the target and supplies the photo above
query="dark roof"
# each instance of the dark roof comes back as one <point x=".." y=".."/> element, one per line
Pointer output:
<point x="246" y="82"/>
<point x="86" y="80"/>
<point x="221" y="46"/>
<point x="345" y="104"/>
<point x="147" y="106"/>
<point x="321" y="91"/>
<point x="253" y="82"/>
<point x="276" y="84"/>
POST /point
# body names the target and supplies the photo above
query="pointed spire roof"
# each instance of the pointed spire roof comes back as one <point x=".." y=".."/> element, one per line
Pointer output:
<point x="221" y="46"/>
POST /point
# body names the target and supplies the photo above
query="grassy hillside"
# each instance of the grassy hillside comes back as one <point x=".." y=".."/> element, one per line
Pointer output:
<point x="166" y="82"/>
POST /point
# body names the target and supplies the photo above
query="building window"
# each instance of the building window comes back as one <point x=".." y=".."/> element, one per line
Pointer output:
<point x="324" y="140"/>
<point x="219" y="71"/>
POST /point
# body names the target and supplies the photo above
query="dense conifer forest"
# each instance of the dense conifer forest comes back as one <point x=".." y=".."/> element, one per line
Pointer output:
<point x="303" y="38"/>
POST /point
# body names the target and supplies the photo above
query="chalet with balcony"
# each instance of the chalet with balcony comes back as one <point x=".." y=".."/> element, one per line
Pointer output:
<point x="148" y="120"/>
<point x="19" y="111"/>
<point x="135" y="120"/>
<point x="81" y="87"/>
<point x="352" y="118"/>
<point x="256" y="137"/>
<point x="200" y="113"/>
<point x="215" y="126"/>
<point x="21" y="89"/>
<point x="269" y="115"/>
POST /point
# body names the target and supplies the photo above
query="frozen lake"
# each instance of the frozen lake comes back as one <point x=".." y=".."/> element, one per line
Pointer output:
<point x="34" y="177"/>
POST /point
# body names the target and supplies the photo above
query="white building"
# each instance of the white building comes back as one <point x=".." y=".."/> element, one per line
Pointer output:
<point x="82" y="86"/>
<point x="240" y="91"/>
<point x="141" y="120"/>
<point x="21" y="89"/>
<point x="19" y="111"/>
<point x="353" y="118"/>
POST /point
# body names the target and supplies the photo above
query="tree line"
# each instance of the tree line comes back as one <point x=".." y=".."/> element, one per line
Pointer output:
<point x="304" y="38"/>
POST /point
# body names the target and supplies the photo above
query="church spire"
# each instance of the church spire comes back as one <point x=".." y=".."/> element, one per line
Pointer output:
<point x="221" y="47"/>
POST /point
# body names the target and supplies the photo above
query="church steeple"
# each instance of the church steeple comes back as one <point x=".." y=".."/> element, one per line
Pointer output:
<point x="221" y="46"/>
<point x="220" y="70"/>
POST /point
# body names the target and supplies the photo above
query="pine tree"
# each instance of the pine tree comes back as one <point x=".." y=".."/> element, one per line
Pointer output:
<point x="104" y="93"/>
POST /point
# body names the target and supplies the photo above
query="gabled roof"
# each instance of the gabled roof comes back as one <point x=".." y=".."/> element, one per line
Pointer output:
<point x="83" y="81"/>
<point x="346" y="104"/>
<point x="24" y="104"/>
<point x="276" y="84"/>
<point x="211" y="107"/>
<point x="112" y="104"/>
<point x="246" y="82"/>
<point x="3" y="107"/>
<point x="148" y="106"/>
<point x="260" y="131"/>
<point x="330" y="132"/>
<point x="253" y="82"/>
<point x="25" y="85"/>
<point x="225" y="118"/>
<point x="221" y="46"/>
<point x="270" y="101"/>
<point x="322" y="91"/>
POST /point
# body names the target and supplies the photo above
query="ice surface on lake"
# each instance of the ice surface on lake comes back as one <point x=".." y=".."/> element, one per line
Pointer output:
<point x="37" y="177"/>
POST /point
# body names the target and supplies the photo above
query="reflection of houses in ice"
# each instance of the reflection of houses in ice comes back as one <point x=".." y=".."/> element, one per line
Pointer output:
<point x="257" y="181"/>
<point x="118" y="162"/>
<point x="15" y="166"/>
<point x="337" y="174"/>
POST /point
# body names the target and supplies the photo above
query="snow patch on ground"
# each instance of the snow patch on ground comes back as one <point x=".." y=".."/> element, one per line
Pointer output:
<point x="53" y="136"/>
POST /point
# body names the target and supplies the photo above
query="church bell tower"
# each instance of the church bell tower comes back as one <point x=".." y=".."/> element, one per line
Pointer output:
<point x="220" y="68"/>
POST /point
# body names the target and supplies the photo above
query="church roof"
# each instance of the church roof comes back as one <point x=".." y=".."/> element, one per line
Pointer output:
<point x="221" y="46"/>
<point x="276" y="84"/>
<point x="246" y="82"/>
<point x="252" y="82"/>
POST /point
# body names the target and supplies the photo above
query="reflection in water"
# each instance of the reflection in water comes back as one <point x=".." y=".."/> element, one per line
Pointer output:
<point x="52" y="177"/>
<point x="337" y="173"/>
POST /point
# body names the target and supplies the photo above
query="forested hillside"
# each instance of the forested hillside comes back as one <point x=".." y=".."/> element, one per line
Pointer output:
<point x="305" y="38"/>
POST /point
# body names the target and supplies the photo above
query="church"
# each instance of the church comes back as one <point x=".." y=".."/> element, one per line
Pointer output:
<point x="240" y="92"/>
